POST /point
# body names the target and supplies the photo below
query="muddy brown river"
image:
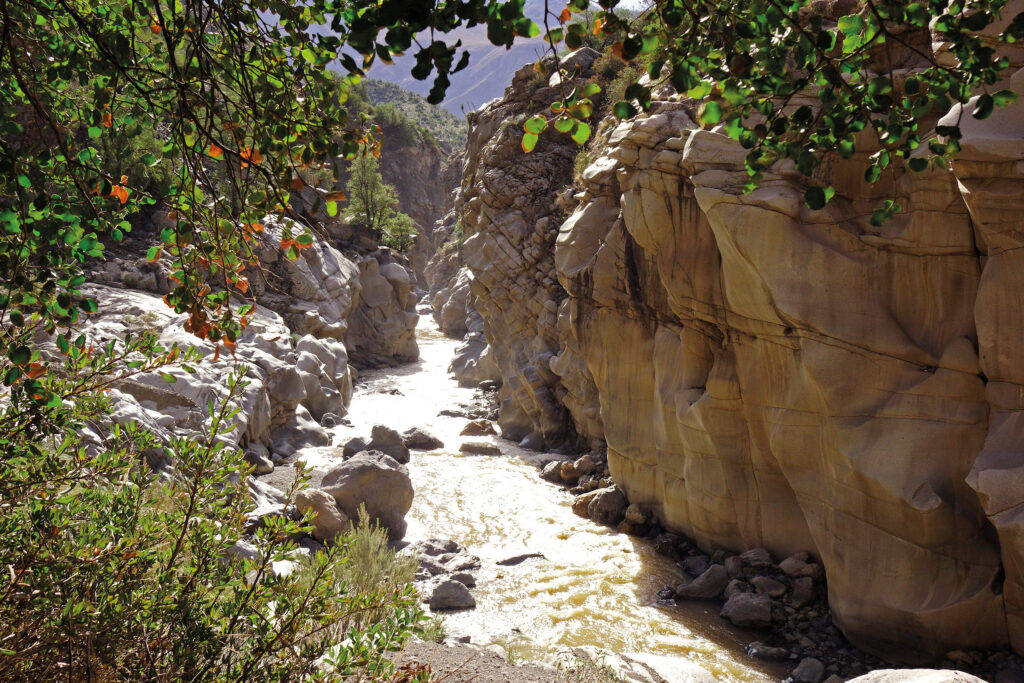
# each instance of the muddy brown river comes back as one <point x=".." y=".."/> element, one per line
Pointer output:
<point x="593" y="586"/>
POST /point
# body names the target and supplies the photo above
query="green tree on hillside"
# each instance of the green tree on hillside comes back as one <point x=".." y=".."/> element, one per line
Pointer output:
<point x="373" y="204"/>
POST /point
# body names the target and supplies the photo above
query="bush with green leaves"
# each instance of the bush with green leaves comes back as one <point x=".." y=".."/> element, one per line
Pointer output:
<point x="120" y="573"/>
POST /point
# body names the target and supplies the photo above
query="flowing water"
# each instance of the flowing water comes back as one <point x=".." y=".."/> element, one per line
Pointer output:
<point x="593" y="586"/>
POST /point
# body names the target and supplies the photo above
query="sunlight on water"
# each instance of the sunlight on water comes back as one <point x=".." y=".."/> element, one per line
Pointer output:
<point x="593" y="586"/>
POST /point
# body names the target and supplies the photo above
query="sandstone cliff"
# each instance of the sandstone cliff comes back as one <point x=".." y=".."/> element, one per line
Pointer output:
<point x="764" y="374"/>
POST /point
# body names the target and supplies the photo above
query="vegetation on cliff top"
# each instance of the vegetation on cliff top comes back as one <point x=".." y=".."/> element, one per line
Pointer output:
<point x="447" y="128"/>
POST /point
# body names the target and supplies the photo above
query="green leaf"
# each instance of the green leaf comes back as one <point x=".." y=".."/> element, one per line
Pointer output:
<point x="624" y="110"/>
<point x="590" y="89"/>
<point x="1003" y="98"/>
<point x="24" y="181"/>
<point x="332" y="209"/>
<point x="95" y="132"/>
<point x="20" y="355"/>
<point x="529" y="142"/>
<point x="153" y="253"/>
<point x="851" y="24"/>
<point x="169" y="378"/>
<point x="710" y="113"/>
<point x="917" y="164"/>
<point x="564" y="124"/>
<point x="983" y="107"/>
<point x="817" y="197"/>
<point x="535" y="125"/>
<point x="581" y="132"/>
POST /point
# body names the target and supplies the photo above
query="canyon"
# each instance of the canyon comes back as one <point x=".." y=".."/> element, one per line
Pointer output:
<point x="763" y="374"/>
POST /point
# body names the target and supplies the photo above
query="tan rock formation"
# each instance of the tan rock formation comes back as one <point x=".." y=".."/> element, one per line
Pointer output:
<point x="768" y="375"/>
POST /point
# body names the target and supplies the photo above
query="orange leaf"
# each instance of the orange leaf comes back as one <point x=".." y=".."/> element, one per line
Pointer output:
<point x="598" y="24"/>
<point x="617" y="49"/>
<point x="172" y="215"/>
<point x="36" y="370"/>
<point x="298" y="184"/>
<point x="243" y="285"/>
<point x="124" y="180"/>
<point x="257" y="227"/>
<point x="215" y="151"/>
<point x="565" y="16"/>
<point x="287" y="243"/>
<point x="155" y="28"/>
<point x="107" y="119"/>
<point x="337" y="196"/>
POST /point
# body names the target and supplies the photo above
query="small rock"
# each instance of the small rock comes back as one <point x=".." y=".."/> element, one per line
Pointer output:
<point x="421" y="440"/>
<point x="463" y="639"/>
<point x="769" y="586"/>
<point x="552" y="472"/>
<point x="389" y="442"/>
<point x="666" y="594"/>
<point x="568" y="472"/>
<point x="753" y="610"/>
<point x="436" y="546"/>
<point x="329" y="420"/>
<point x="696" y="565"/>
<point x="759" y="650"/>
<point x="813" y="571"/>
<point x="607" y="506"/>
<point x="489" y="385"/>
<point x="585" y="464"/>
<point x="353" y="446"/>
<point x="734" y="565"/>
<point x="465" y="578"/>
<point x="809" y="670"/>
<point x="479" y="448"/>
<point x="793" y="565"/>
<point x="735" y="586"/>
<point x="581" y="504"/>
<point x="803" y="591"/>
<point x="635" y="514"/>
<point x="708" y="585"/>
<point x="519" y="559"/>
<point x="758" y="558"/>
<point x="465" y="563"/>
<point x="451" y="594"/>
<point x="478" y="428"/>
<point x="430" y="566"/>
<point x="258" y="456"/>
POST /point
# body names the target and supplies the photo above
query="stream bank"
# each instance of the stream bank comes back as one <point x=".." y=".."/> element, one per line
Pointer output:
<point x="589" y="586"/>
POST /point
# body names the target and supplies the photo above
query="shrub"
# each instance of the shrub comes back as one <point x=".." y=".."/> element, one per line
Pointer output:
<point x="118" y="572"/>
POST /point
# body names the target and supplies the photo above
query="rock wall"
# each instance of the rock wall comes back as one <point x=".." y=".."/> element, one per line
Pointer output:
<point x="767" y="375"/>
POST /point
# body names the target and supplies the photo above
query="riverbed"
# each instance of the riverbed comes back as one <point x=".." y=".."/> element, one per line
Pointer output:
<point x="592" y="587"/>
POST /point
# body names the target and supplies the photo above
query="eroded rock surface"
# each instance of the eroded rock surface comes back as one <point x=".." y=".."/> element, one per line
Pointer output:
<point x="765" y="375"/>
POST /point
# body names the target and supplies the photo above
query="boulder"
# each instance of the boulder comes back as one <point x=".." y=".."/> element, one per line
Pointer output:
<point x="328" y="519"/>
<point x="581" y="504"/>
<point x="636" y="514"/>
<point x="809" y="670"/>
<point x="752" y="610"/>
<point x="916" y="676"/>
<point x="769" y="586"/>
<point x="552" y="472"/>
<point x="389" y="442"/>
<point x="803" y="591"/>
<point x="418" y="439"/>
<point x="759" y="650"/>
<point x="376" y="480"/>
<point x="353" y="446"/>
<point x="479" y="448"/>
<point x="451" y="595"/>
<point x="607" y="506"/>
<point x="478" y="428"/>
<point x="256" y="454"/>
<point x="708" y="585"/>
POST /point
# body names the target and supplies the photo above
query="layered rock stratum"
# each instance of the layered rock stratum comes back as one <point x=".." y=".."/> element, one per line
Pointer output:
<point x="764" y="374"/>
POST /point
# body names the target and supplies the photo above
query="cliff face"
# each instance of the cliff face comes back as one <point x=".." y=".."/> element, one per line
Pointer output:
<point x="764" y="374"/>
